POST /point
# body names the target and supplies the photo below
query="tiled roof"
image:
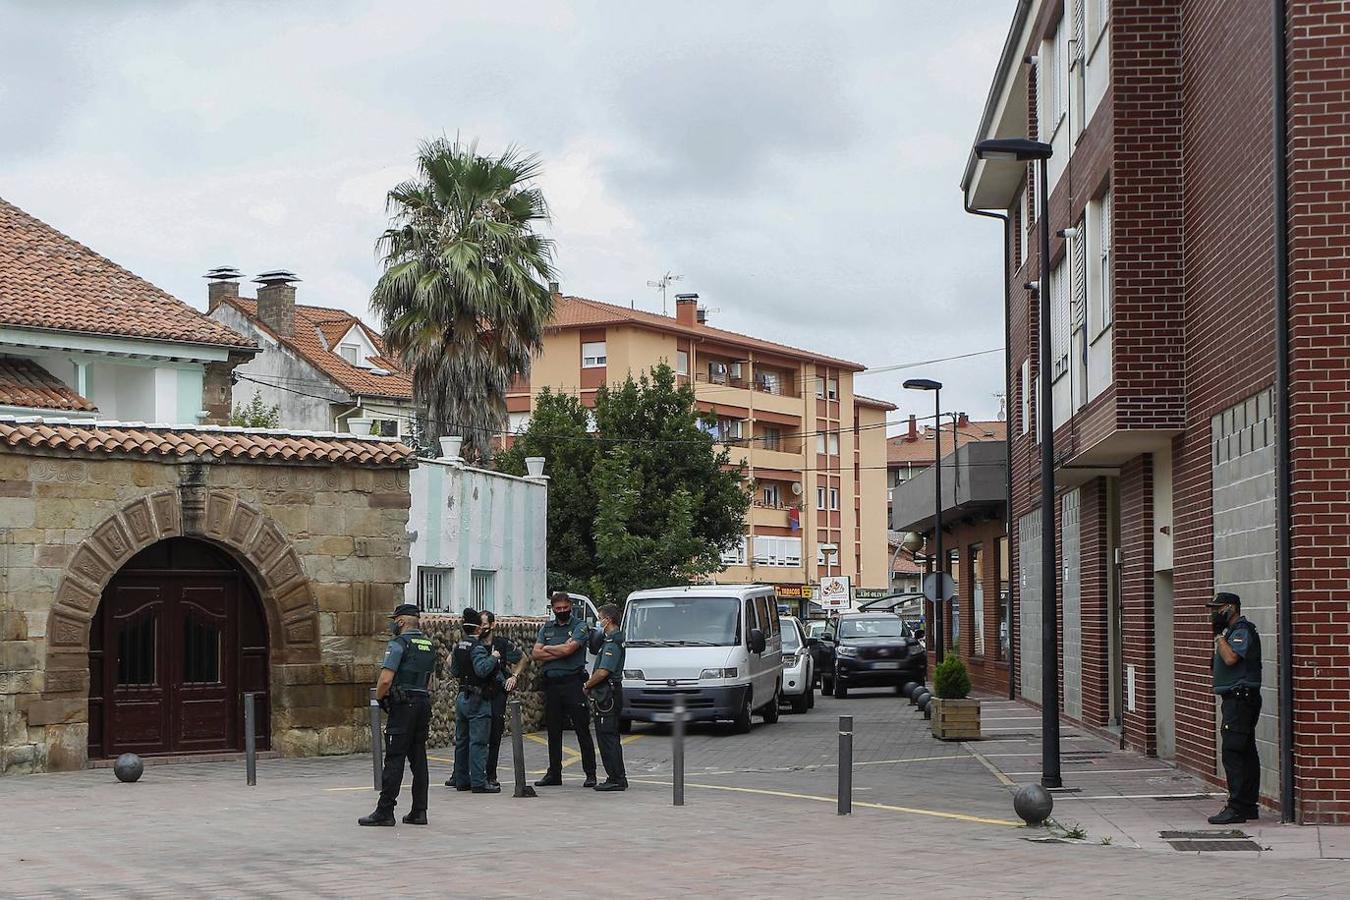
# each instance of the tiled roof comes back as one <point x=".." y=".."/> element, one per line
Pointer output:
<point x="315" y="334"/>
<point x="25" y="383"/>
<point x="51" y="281"/>
<point x="900" y="449"/>
<point x="579" y="312"/>
<point x="176" y="441"/>
<point x="874" y="402"/>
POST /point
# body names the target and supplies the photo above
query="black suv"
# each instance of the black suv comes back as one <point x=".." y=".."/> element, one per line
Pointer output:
<point x="871" y="649"/>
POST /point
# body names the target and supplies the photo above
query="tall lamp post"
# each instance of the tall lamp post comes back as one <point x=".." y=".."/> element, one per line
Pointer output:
<point x="1024" y="150"/>
<point x="939" y="562"/>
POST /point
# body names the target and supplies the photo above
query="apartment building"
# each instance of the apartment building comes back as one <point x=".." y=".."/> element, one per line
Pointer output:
<point x="814" y="450"/>
<point x="1167" y="284"/>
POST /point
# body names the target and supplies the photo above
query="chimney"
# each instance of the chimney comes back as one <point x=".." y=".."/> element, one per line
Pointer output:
<point x="962" y="420"/>
<point x="553" y="287"/>
<point x="276" y="300"/>
<point x="913" y="433"/>
<point x="222" y="284"/>
<point x="686" y="309"/>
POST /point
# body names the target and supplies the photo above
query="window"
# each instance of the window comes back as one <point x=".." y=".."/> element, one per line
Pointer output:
<point x="834" y="443"/>
<point x="1107" y="301"/>
<point x="772" y="496"/>
<point x="820" y="444"/>
<point x="778" y="551"/>
<point x="820" y="498"/>
<point x="768" y="382"/>
<point x="834" y="498"/>
<point x="481" y="585"/>
<point x="1000" y="561"/>
<point x="517" y="422"/>
<point x="1023" y="223"/>
<point x="832" y="388"/>
<point x="1026" y="395"/>
<point x="820" y="388"/>
<point x="729" y="430"/>
<point x="593" y="355"/>
<point x="349" y="352"/>
<point x="735" y="555"/>
<point x="1099" y="14"/>
<point x="681" y="362"/>
<point x="1059" y="320"/>
<point x="771" y="438"/>
<point x="384" y="427"/>
<point x="434" y="589"/>
<point x="976" y="576"/>
<point x="1077" y="68"/>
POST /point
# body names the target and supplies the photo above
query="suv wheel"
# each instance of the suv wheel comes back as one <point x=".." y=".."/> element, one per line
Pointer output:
<point x="826" y="685"/>
<point x="840" y="689"/>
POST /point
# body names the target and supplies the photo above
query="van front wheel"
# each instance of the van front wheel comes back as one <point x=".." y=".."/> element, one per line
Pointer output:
<point x="741" y="724"/>
<point x="770" y="710"/>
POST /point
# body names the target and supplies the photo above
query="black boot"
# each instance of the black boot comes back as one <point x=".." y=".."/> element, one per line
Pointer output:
<point x="612" y="786"/>
<point x="378" y="817"/>
<point x="488" y="789"/>
<point x="1227" y="816"/>
<point x="550" y="779"/>
<point x="416" y="817"/>
<point x="590" y="780"/>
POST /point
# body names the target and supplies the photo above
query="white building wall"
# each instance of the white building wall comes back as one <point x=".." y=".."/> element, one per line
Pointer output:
<point x="464" y="519"/>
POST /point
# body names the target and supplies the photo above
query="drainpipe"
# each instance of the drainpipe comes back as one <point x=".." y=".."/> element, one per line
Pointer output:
<point x="1007" y="425"/>
<point x="1283" y="482"/>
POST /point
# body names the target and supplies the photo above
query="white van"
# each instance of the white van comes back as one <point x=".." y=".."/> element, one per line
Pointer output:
<point x="720" y="646"/>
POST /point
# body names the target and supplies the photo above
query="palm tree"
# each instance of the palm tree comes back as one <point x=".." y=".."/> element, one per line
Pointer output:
<point x="464" y="295"/>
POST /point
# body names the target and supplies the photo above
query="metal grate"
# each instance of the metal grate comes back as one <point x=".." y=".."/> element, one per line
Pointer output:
<point x="1203" y="834"/>
<point x="1183" y="798"/>
<point x="1213" y="846"/>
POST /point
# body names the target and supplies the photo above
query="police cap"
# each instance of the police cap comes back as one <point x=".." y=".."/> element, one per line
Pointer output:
<point x="1224" y="598"/>
<point x="404" y="609"/>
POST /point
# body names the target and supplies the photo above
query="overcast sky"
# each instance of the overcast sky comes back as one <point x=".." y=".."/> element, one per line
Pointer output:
<point x="797" y="162"/>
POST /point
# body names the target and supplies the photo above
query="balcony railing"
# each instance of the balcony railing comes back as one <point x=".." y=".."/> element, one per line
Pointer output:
<point x="779" y="387"/>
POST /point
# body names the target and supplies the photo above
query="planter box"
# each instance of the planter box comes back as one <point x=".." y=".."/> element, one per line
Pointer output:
<point x="956" y="720"/>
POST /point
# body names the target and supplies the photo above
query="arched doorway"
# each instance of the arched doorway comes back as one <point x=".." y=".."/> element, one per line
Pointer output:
<point x="178" y="638"/>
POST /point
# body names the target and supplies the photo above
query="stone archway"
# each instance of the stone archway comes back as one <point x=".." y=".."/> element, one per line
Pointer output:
<point x="218" y="517"/>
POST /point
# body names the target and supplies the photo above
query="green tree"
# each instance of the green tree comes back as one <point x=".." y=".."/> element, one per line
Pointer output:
<point x="463" y="295"/>
<point x="256" y="414"/>
<point x="639" y="494"/>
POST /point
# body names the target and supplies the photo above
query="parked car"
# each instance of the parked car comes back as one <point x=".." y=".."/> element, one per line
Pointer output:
<point x="872" y="650"/>
<point x="799" y="669"/>
<point x="720" y="646"/>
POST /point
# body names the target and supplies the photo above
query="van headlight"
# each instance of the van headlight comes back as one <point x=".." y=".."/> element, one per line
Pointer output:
<point x="634" y="675"/>
<point x="716" y="674"/>
<point x="846" y="651"/>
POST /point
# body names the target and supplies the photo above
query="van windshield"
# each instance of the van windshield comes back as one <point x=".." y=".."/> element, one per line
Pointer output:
<point x="683" y="622"/>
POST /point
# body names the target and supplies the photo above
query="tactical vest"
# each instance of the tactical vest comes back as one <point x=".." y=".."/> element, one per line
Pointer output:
<point x="468" y="678"/>
<point x="416" y="664"/>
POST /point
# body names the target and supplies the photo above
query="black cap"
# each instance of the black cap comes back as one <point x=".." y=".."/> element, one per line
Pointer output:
<point x="1224" y="598"/>
<point x="472" y="616"/>
<point x="405" y="609"/>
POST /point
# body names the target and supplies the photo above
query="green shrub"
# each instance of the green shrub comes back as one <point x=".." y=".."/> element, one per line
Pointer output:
<point x="951" y="680"/>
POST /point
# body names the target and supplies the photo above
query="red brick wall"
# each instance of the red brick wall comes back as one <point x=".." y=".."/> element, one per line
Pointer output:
<point x="1092" y="578"/>
<point x="1319" y="220"/>
<point x="1136" y="592"/>
<point x="987" y="674"/>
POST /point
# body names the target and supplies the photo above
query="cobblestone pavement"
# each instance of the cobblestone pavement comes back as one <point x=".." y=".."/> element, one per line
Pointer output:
<point x="759" y="820"/>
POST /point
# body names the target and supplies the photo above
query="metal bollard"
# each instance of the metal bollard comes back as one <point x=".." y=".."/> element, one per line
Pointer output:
<point x="518" y="751"/>
<point x="677" y="748"/>
<point x="376" y="745"/>
<point x="250" y="738"/>
<point x="845" y="765"/>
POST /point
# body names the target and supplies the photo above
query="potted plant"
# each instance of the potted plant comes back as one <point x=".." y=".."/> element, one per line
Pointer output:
<point x="955" y="716"/>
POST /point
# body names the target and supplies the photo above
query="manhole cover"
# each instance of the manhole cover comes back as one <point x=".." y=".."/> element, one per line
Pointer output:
<point x="1213" y="846"/>
<point x="1024" y="735"/>
<point x="1203" y="834"/>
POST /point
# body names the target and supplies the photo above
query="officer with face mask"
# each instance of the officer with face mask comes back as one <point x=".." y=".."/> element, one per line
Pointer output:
<point x="404" y="693"/>
<point x="1237" y="681"/>
<point x="561" y="652"/>
<point x="478" y="668"/>
<point x="605" y="690"/>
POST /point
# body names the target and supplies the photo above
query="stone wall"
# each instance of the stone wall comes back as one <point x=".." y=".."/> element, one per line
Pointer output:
<point x="325" y="547"/>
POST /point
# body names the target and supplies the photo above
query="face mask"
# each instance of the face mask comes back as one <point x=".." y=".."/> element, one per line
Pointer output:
<point x="395" y="627"/>
<point x="563" y="617"/>
<point x="1219" y="621"/>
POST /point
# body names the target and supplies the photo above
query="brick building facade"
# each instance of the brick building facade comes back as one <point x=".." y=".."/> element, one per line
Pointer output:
<point x="1162" y="282"/>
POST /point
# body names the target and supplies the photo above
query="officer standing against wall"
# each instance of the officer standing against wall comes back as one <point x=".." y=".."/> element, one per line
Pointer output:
<point x="561" y="651"/>
<point x="404" y="692"/>
<point x="1237" y="681"/>
<point x="478" y="668"/>
<point x="605" y="690"/>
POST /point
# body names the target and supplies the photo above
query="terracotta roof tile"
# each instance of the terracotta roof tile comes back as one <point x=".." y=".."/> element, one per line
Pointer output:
<point x="25" y="383"/>
<point x="900" y="449"/>
<point x="52" y="281"/>
<point x="316" y="331"/>
<point x="873" y="402"/>
<point x="175" y="441"/>
<point x="580" y="312"/>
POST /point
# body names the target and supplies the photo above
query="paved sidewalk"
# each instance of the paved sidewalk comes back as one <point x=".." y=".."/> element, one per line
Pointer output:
<point x="1129" y="798"/>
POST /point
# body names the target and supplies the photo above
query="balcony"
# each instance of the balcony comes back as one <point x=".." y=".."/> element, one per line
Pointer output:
<point x="762" y="513"/>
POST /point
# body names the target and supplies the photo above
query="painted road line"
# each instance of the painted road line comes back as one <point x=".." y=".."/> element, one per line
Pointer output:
<point x="939" y="814"/>
<point x="440" y="759"/>
<point x="811" y="767"/>
<point x="365" y="788"/>
<point x="993" y="769"/>
<point x="1059" y="797"/>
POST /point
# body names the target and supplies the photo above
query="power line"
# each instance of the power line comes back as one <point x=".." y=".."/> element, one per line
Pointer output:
<point x="926" y="362"/>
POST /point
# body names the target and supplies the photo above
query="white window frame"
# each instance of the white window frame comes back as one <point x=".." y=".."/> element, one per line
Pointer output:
<point x="772" y="438"/>
<point x="351" y="353"/>
<point x="435" y="588"/>
<point x="482" y="589"/>
<point x="820" y="443"/>
<point x="820" y="498"/>
<point x="834" y="499"/>
<point x="832" y="388"/>
<point x="1106" y="297"/>
<point x="517" y="422"/>
<point x="779" y="552"/>
<point x="772" y="495"/>
<point x="593" y="355"/>
<point x="736" y="555"/>
<point x="833" y="438"/>
<point x="820" y="387"/>
<point x="1026" y="395"/>
<point x="682" y="362"/>
<point x="1059" y="319"/>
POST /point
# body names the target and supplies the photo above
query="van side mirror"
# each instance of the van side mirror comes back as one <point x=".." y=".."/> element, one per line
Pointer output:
<point x="757" y="641"/>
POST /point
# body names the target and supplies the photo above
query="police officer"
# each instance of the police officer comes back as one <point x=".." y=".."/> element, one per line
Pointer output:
<point x="404" y="692"/>
<point x="478" y="668"/>
<point x="605" y="690"/>
<point x="561" y="649"/>
<point x="1237" y="681"/>
<point x="510" y="655"/>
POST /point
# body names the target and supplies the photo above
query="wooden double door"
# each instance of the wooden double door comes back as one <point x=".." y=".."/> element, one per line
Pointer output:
<point x="177" y="640"/>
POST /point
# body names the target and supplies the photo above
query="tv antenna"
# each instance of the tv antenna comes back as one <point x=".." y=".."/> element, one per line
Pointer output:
<point x="661" y="284"/>
<point x="1002" y="405"/>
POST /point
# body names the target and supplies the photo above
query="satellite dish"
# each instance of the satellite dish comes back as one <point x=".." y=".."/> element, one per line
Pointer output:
<point x="796" y="488"/>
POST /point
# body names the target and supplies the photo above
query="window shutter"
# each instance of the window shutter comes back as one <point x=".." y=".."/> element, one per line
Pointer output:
<point x="1079" y="30"/>
<point x="1078" y="251"/>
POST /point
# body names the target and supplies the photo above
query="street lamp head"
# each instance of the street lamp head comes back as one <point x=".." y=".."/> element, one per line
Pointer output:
<point x="922" y="384"/>
<point x="1020" y="149"/>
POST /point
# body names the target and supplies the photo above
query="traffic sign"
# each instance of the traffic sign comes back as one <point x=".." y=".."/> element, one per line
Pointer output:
<point x="834" y="591"/>
<point x="931" y="586"/>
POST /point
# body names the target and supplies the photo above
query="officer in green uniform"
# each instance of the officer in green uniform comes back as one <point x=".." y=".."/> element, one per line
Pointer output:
<point x="511" y="655"/>
<point x="605" y="689"/>
<point x="1237" y="681"/>
<point x="404" y="692"/>
<point x="561" y="651"/>
<point x="478" y="668"/>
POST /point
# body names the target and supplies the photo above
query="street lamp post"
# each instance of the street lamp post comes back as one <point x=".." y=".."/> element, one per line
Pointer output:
<point x="939" y="564"/>
<point x="1024" y="150"/>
